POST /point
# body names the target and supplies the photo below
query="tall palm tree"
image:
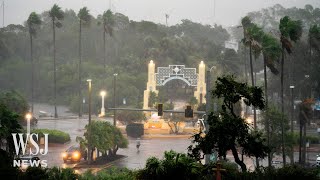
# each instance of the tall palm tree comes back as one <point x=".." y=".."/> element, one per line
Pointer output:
<point x="107" y="21"/>
<point x="56" y="15"/>
<point x="314" y="38"/>
<point x="33" y="22"/>
<point x="271" y="51"/>
<point x="84" y="19"/>
<point x="252" y="37"/>
<point x="290" y="31"/>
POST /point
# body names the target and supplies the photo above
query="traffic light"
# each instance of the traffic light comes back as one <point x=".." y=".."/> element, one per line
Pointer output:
<point x="188" y="113"/>
<point x="160" y="109"/>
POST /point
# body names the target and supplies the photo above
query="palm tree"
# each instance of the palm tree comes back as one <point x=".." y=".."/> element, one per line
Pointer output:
<point x="290" y="31"/>
<point x="33" y="22"/>
<point x="252" y="37"/>
<point x="107" y="21"/>
<point x="84" y="19"/>
<point x="314" y="38"/>
<point x="56" y="15"/>
<point x="271" y="51"/>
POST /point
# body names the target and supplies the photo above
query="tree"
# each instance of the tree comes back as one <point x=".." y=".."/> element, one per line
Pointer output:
<point x="227" y="130"/>
<point x="9" y="124"/>
<point x="105" y="137"/>
<point x="33" y="22"/>
<point x="314" y="38"/>
<point x="128" y="117"/>
<point x="305" y="114"/>
<point x="56" y="15"/>
<point x="107" y="25"/>
<point x="271" y="51"/>
<point x="84" y="19"/>
<point x="174" y="121"/>
<point x="252" y="37"/>
<point x="272" y="117"/>
<point x="290" y="30"/>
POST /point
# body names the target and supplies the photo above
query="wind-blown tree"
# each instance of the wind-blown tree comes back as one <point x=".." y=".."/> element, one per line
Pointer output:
<point x="290" y="31"/>
<point x="33" y="22"/>
<point x="271" y="51"/>
<point x="252" y="37"/>
<point x="314" y="38"/>
<point x="107" y="21"/>
<point x="227" y="130"/>
<point x="84" y="19"/>
<point x="56" y="15"/>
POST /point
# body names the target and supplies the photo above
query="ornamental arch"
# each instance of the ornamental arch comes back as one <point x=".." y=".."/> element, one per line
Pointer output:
<point x="166" y="74"/>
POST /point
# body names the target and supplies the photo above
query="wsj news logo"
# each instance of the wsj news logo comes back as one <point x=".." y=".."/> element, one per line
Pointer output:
<point x="36" y="150"/>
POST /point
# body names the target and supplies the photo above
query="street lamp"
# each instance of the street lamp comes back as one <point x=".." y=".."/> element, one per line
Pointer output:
<point x="89" y="133"/>
<point x="292" y="106"/>
<point x="114" y="97"/>
<point x="102" y="94"/>
<point x="28" y="117"/>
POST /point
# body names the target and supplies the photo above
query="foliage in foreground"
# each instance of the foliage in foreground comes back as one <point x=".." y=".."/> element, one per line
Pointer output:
<point x="227" y="129"/>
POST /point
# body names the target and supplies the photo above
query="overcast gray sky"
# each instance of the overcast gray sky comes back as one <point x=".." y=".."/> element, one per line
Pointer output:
<point x="227" y="12"/>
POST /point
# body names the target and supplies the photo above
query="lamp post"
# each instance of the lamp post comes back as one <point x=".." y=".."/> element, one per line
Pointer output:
<point x="208" y="98"/>
<point x="292" y="106"/>
<point x="102" y="94"/>
<point x="89" y="132"/>
<point x="114" y="97"/>
<point x="28" y="117"/>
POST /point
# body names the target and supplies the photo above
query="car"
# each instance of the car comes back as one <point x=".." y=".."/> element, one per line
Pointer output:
<point x="74" y="154"/>
<point x="25" y="161"/>
<point x="318" y="161"/>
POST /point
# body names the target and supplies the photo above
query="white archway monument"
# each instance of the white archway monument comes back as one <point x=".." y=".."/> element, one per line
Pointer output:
<point x="166" y="74"/>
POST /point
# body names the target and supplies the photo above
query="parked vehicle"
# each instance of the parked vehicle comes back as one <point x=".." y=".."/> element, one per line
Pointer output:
<point x="318" y="161"/>
<point x="74" y="154"/>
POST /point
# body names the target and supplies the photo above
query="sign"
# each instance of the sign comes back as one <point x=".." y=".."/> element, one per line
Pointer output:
<point x="23" y="144"/>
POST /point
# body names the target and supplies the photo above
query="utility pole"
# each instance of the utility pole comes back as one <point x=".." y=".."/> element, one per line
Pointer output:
<point x="3" y="14"/>
<point x="167" y="17"/>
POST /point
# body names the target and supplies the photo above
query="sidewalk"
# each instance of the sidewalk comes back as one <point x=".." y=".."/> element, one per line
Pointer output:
<point x="166" y="136"/>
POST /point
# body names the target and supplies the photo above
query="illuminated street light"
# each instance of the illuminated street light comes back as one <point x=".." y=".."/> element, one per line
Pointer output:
<point x="28" y="117"/>
<point x="102" y="94"/>
<point x="114" y="97"/>
<point x="89" y="133"/>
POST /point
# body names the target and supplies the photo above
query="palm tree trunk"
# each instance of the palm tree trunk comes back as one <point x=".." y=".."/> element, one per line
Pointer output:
<point x="304" y="141"/>
<point x="266" y="100"/>
<point x="32" y="73"/>
<point x="79" y="83"/>
<point x="282" y="108"/>
<point x="300" y="142"/>
<point x="54" y="70"/>
<point x="252" y="82"/>
<point x="104" y="48"/>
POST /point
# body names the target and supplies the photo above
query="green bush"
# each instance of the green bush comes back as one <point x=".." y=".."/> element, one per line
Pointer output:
<point x="110" y="173"/>
<point x="55" y="136"/>
<point x="135" y="130"/>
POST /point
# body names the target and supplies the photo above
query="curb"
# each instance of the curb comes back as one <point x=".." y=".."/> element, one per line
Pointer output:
<point x="99" y="167"/>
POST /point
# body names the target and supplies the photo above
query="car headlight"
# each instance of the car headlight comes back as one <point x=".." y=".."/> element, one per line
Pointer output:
<point x="64" y="155"/>
<point x="76" y="155"/>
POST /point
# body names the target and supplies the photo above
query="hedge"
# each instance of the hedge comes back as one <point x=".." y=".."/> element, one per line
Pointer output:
<point x="55" y="136"/>
<point x="135" y="130"/>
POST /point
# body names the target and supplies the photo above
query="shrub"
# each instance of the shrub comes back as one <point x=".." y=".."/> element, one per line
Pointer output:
<point x="135" y="130"/>
<point x="55" y="136"/>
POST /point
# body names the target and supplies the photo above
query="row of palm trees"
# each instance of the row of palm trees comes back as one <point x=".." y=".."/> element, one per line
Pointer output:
<point x="273" y="49"/>
<point x="57" y="15"/>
